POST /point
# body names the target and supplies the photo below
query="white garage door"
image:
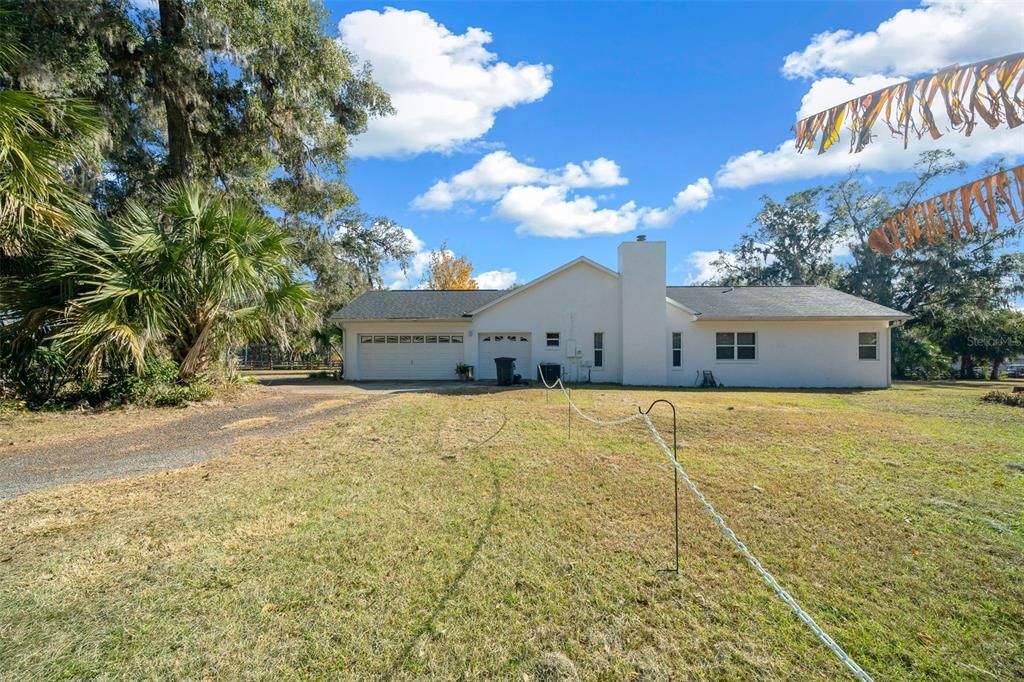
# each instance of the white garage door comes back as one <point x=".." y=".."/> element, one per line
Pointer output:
<point x="409" y="356"/>
<point x="505" y="345"/>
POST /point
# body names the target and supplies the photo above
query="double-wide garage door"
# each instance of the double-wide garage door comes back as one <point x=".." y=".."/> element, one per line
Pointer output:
<point x="409" y="356"/>
<point x="505" y="345"/>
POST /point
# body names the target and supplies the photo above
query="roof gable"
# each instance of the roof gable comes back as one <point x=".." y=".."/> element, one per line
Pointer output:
<point x="582" y="260"/>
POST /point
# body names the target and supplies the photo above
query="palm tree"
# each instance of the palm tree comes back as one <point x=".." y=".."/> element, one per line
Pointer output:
<point x="41" y="139"/>
<point x="183" y="276"/>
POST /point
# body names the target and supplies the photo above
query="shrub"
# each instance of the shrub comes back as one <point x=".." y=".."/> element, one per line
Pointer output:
<point x="1012" y="399"/>
<point x="158" y="385"/>
<point x="179" y="394"/>
<point x="915" y="356"/>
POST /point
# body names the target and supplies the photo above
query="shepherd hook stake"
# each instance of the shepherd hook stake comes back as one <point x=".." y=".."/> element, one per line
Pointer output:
<point x="675" y="474"/>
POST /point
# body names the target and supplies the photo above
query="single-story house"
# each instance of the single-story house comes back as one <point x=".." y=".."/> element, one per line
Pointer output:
<point x="624" y="327"/>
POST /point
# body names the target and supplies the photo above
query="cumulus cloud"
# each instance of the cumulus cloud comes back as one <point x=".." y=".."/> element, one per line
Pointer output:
<point x="491" y="176"/>
<point x="848" y="65"/>
<point x="551" y="212"/>
<point x="446" y="87"/>
<point x="884" y="154"/>
<point x="546" y="202"/>
<point x="702" y="267"/>
<point x="496" y="279"/>
<point x="914" y="41"/>
<point x="600" y="172"/>
<point x="693" y="198"/>
<point x="555" y="211"/>
<point x="412" y="277"/>
<point x="416" y="272"/>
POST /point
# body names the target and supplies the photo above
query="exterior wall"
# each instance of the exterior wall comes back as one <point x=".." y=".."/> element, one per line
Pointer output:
<point x="790" y="354"/>
<point x="637" y="322"/>
<point x="678" y="320"/>
<point x="352" y="330"/>
<point x="643" y="324"/>
<point x="575" y="303"/>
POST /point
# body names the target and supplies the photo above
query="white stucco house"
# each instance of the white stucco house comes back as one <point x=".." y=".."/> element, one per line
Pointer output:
<point x="624" y="327"/>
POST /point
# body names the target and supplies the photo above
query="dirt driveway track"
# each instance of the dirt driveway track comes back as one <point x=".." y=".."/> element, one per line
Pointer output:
<point x="201" y="433"/>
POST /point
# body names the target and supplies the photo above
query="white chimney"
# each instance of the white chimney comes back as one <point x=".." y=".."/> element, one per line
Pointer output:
<point x="644" y="317"/>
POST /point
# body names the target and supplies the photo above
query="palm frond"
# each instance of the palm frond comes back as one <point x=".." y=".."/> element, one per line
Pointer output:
<point x="949" y="215"/>
<point x="40" y="138"/>
<point x="989" y="90"/>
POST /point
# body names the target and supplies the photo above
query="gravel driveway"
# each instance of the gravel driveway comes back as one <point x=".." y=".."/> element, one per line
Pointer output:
<point x="203" y="433"/>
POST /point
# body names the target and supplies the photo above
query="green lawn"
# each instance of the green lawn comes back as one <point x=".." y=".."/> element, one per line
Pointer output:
<point x="386" y="545"/>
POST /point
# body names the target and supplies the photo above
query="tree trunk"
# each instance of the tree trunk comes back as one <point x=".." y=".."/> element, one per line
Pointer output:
<point x="966" y="367"/>
<point x="996" y="364"/>
<point x="176" y="105"/>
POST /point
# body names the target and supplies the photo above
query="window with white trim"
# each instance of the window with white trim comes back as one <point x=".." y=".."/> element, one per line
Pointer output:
<point x="735" y="346"/>
<point x="552" y="339"/>
<point x="867" y="345"/>
<point x="598" y="349"/>
<point x="677" y="349"/>
<point x="407" y="338"/>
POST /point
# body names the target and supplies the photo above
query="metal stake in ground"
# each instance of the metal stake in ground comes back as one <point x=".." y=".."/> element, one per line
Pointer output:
<point x="675" y="475"/>
<point x="568" y="406"/>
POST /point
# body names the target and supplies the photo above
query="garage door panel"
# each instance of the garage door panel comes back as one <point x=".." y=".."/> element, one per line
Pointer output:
<point x="409" y="356"/>
<point x="503" y="345"/>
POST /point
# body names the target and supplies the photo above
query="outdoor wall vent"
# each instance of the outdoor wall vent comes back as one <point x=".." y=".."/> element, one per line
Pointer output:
<point x="641" y="237"/>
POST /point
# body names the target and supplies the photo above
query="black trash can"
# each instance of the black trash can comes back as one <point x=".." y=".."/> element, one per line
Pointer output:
<point x="549" y="371"/>
<point x="505" y="368"/>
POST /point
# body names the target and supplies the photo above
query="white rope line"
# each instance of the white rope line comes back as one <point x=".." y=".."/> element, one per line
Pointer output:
<point x="577" y="410"/>
<point x="857" y="671"/>
<point x="785" y="596"/>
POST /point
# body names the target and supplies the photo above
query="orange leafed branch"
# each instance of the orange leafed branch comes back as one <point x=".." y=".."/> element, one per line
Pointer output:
<point x="949" y="214"/>
<point x="990" y="90"/>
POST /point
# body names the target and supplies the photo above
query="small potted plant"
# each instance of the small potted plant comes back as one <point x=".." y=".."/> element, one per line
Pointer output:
<point x="464" y="371"/>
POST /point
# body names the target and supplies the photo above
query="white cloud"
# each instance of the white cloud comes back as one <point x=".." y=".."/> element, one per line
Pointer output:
<point x="490" y="177"/>
<point x="544" y="202"/>
<point x="496" y="279"/>
<point x="600" y="172"/>
<point x="412" y="276"/>
<point x="693" y="198"/>
<point x="446" y="87"/>
<point x="551" y="212"/>
<point x="702" y="268"/>
<point x="884" y="154"/>
<point x="914" y="41"/>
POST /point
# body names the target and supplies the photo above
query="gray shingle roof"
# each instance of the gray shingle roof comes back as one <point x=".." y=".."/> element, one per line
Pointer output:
<point x="738" y="303"/>
<point x="713" y="303"/>
<point x="416" y="304"/>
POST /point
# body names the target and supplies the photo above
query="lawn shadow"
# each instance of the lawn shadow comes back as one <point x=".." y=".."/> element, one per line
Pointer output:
<point x="427" y="625"/>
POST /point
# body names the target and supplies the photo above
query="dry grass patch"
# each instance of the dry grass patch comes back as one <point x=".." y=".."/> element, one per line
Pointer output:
<point x="22" y="427"/>
<point x="249" y="423"/>
<point x="463" y="536"/>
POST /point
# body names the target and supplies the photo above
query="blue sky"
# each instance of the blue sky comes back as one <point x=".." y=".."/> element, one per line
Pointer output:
<point x="662" y="94"/>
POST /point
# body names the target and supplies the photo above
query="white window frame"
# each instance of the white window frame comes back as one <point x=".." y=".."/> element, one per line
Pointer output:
<point x="552" y="336"/>
<point x="735" y="346"/>
<point x="598" y="350"/>
<point x="861" y="345"/>
<point x="672" y="348"/>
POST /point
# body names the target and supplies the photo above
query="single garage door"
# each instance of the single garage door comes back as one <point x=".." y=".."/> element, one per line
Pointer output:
<point x="504" y="345"/>
<point x="409" y="356"/>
